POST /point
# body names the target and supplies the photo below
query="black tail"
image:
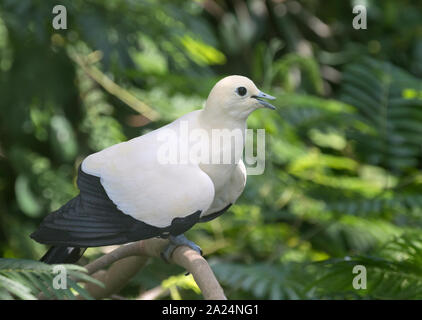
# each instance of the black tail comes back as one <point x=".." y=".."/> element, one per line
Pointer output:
<point x="57" y="254"/>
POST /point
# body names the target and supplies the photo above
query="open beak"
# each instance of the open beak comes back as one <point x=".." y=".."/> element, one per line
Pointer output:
<point x="261" y="95"/>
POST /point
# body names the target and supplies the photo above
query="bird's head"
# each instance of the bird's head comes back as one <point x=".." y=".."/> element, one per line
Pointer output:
<point x="236" y="96"/>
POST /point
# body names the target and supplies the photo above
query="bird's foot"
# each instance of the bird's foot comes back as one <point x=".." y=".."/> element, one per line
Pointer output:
<point x="176" y="241"/>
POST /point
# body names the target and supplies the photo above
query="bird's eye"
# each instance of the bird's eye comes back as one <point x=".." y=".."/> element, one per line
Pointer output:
<point x="241" y="91"/>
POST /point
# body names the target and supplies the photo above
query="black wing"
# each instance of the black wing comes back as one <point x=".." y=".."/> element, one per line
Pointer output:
<point x="91" y="219"/>
<point x="214" y="215"/>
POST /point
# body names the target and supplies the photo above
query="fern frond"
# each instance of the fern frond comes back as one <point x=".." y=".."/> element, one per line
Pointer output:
<point x="273" y="281"/>
<point x="26" y="279"/>
<point x="377" y="90"/>
<point x="394" y="273"/>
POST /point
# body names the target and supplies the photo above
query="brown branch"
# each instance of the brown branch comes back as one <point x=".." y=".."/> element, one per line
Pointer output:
<point x="128" y="259"/>
<point x="116" y="277"/>
<point x="154" y="293"/>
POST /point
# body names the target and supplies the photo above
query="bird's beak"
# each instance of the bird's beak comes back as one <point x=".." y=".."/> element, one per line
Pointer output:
<point x="261" y="95"/>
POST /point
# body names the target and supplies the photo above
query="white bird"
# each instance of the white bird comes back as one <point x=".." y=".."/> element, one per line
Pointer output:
<point x="128" y="193"/>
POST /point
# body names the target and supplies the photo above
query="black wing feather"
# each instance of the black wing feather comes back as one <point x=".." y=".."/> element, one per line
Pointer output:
<point x="91" y="219"/>
<point x="214" y="215"/>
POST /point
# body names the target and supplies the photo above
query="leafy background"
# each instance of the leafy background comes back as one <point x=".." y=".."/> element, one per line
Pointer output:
<point x="342" y="185"/>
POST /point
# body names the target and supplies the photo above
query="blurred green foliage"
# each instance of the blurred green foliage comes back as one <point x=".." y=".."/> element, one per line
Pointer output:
<point x="343" y="182"/>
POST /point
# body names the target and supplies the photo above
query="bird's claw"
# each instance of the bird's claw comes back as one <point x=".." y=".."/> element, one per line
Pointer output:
<point x="177" y="241"/>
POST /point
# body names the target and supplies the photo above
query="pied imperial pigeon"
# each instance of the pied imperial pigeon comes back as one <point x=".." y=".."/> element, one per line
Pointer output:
<point x="130" y="192"/>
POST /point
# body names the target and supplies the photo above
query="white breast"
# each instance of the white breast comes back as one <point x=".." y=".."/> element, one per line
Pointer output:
<point x="230" y="191"/>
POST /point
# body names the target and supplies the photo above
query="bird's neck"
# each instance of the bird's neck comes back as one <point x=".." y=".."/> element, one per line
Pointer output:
<point x="228" y="134"/>
<point x="216" y="124"/>
<point x="213" y="118"/>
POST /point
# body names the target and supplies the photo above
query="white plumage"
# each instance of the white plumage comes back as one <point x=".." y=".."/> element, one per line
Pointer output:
<point x="146" y="189"/>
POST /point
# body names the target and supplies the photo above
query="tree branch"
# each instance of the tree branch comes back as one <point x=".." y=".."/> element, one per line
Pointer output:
<point x="128" y="259"/>
<point x="154" y="293"/>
